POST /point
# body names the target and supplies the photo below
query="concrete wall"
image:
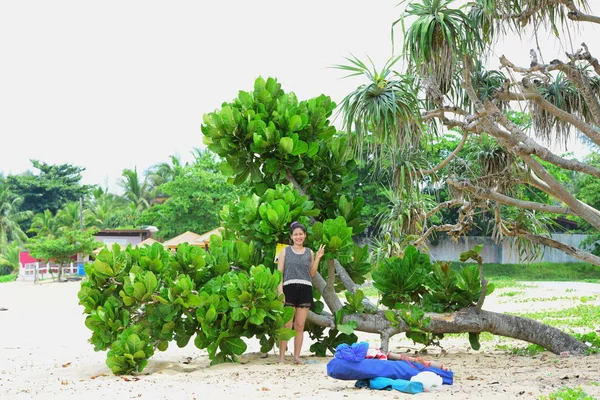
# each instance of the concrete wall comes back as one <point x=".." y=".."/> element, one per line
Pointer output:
<point x="502" y="253"/>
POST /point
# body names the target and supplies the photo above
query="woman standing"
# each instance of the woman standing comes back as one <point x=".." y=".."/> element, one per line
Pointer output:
<point x="297" y="265"/>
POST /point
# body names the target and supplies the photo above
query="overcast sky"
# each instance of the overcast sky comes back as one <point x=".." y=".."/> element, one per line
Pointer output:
<point x="124" y="84"/>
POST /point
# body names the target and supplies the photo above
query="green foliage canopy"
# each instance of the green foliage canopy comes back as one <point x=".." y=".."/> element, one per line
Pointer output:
<point x="51" y="188"/>
<point x="194" y="198"/>
<point x="140" y="299"/>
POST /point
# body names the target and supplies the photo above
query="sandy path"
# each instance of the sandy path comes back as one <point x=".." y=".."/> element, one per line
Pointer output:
<point x="44" y="354"/>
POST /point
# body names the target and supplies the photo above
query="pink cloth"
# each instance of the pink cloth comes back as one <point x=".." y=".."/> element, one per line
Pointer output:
<point x="377" y="354"/>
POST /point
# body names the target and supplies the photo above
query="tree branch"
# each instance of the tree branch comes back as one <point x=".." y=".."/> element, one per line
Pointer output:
<point x="535" y="97"/>
<point x="582" y="83"/>
<point x="445" y="204"/>
<point x="455" y="230"/>
<point x="290" y="178"/>
<point x="331" y="299"/>
<point x="576" y="15"/>
<point x="536" y="182"/>
<point x="503" y="199"/>
<point x="329" y="292"/>
<point x="449" y="158"/>
<point x="351" y="286"/>
<point x="523" y="144"/>
<point x="440" y="113"/>
<point x="494" y="114"/>
<point x="569" y="250"/>
<point x="584" y="55"/>
<point x="470" y="320"/>
<point x="524" y="16"/>
<point x="547" y="155"/>
<point x="562" y="193"/>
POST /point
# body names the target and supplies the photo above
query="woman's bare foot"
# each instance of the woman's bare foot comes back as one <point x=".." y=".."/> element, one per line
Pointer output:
<point x="298" y="361"/>
<point x="282" y="361"/>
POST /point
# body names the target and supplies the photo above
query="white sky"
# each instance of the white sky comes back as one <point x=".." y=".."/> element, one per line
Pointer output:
<point x="122" y="84"/>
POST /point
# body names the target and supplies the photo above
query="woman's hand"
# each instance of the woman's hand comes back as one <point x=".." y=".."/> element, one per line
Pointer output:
<point x="320" y="252"/>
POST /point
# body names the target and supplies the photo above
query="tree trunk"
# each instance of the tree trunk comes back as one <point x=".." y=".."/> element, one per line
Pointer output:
<point x="464" y="321"/>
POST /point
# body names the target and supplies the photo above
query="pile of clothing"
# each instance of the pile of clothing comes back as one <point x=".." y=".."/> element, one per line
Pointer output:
<point x="371" y="368"/>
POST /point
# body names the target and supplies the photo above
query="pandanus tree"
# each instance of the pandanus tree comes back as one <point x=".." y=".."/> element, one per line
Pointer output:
<point x="499" y="159"/>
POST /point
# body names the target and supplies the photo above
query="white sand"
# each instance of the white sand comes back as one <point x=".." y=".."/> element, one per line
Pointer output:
<point x="44" y="354"/>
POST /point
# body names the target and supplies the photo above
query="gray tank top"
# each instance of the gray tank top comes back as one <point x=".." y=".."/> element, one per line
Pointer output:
<point x="297" y="267"/>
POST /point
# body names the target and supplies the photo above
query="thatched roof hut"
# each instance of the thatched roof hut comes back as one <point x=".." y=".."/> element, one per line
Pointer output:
<point x="193" y="239"/>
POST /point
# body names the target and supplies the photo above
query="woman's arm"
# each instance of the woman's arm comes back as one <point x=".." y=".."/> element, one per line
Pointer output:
<point x="314" y="264"/>
<point x="281" y="267"/>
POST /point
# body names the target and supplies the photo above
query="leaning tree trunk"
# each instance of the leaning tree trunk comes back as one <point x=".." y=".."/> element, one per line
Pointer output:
<point x="463" y="321"/>
<point x="467" y="320"/>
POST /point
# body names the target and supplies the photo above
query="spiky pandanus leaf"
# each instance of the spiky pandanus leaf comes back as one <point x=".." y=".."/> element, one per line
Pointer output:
<point x="563" y="94"/>
<point x="383" y="113"/>
<point x="437" y="40"/>
<point x="487" y="82"/>
<point x="492" y="165"/>
<point x="497" y="17"/>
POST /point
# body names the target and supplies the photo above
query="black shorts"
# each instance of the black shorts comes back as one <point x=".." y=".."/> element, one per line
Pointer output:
<point x="298" y="295"/>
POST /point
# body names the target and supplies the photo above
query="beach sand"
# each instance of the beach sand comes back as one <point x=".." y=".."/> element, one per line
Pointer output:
<point x="45" y="354"/>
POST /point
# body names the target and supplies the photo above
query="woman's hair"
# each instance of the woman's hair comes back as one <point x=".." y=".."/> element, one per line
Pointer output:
<point x="295" y="225"/>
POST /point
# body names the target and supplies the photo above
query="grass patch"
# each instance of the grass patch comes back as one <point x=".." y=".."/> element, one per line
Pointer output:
<point x="592" y="339"/>
<point x="583" y="299"/>
<point x="512" y="293"/>
<point x="583" y="316"/>
<point x="544" y="271"/>
<point x="8" y="278"/>
<point x="567" y="393"/>
<point x="530" y="350"/>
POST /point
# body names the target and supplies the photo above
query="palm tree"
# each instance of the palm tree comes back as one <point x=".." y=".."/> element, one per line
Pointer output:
<point x="69" y="216"/>
<point x="9" y="261"/>
<point x="10" y="217"/>
<point x="164" y="172"/>
<point x="136" y="191"/>
<point x="103" y="206"/>
<point x="45" y="224"/>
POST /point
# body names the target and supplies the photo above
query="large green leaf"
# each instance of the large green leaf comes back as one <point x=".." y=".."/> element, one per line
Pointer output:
<point x="103" y="268"/>
<point x="295" y="123"/>
<point x="134" y="343"/>
<point x="233" y="345"/>
<point x="287" y="144"/>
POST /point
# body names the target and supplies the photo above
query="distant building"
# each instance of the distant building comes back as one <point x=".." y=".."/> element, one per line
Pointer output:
<point x="124" y="237"/>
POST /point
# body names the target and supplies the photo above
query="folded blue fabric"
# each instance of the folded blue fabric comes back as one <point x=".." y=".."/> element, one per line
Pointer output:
<point x="352" y="353"/>
<point x="370" y="368"/>
<point x="401" y="385"/>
